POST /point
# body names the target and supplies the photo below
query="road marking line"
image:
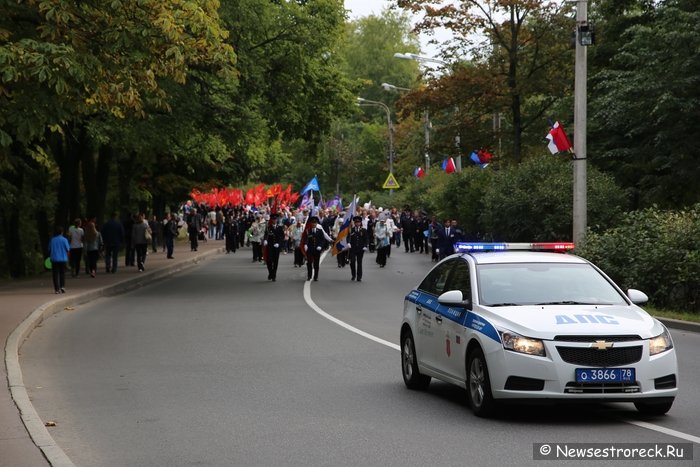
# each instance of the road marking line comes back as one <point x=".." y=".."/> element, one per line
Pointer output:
<point x="317" y="309"/>
<point x="667" y="431"/>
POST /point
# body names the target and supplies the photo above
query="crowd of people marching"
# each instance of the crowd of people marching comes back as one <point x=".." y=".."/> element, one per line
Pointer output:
<point x="267" y="231"/>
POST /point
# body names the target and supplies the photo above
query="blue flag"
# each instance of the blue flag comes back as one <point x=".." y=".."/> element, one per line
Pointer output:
<point x="311" y="186"/>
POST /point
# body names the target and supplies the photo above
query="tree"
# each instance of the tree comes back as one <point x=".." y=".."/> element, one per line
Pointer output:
<point x="646" y="100"/>
<point x="367" y="57"/>
<point x="66" y="65"/>
<point x="520" y="45"/>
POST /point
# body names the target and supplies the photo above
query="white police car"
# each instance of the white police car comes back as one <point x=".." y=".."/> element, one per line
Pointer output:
<point x="511" y="322"/>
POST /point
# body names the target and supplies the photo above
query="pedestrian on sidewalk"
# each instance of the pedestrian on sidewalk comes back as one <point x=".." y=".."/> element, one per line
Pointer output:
<point x="170" y="233"/>
<point x="77" y="236"/>
<point x="156" y="232"/>
<point x="113" y="237"/>
<point x="140" y="234"/>
<point x="59" y="249"/>
<point x="93" y="244"/>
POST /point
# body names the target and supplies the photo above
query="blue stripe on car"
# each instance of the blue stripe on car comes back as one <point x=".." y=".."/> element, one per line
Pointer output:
<point x="464" y="317"/>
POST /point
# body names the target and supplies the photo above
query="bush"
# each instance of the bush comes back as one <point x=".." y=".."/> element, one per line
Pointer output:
<point x="533" y="201"/>
<point x="655" y="251"/>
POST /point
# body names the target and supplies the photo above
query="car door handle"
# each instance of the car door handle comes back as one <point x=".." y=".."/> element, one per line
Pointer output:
<point x="438" y="319"/>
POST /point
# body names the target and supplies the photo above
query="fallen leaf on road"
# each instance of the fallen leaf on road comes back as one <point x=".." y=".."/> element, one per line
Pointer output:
<point x="50" y="423"/>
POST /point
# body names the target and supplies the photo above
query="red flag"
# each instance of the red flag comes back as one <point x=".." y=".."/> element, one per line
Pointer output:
<point x="450" y="166"/>
<point x="558" y="141"/>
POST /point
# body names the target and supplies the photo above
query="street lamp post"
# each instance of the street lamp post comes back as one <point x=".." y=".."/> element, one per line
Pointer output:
<point x="391" y="87"/>
<point x="580" y="115"/>
<point x="362" y="101"/>
<point x="428" y="126"/>
<point x="419" y="58"/>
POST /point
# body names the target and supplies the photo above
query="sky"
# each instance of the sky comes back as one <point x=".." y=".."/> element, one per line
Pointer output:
<point x="360" y="8"/>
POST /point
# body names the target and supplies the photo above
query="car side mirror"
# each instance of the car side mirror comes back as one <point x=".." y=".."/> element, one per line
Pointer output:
<point x="454" y="298"/>
<point x="637" y="296"/>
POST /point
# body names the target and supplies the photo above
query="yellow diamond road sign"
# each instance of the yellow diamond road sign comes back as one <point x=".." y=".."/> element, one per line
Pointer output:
<point x="391" y="182"/>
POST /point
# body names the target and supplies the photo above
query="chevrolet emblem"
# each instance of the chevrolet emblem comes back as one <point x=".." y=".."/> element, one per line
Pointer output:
<point x="602" y="345"/>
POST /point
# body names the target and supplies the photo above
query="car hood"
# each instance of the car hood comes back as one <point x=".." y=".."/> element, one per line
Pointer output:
<point x="547" y="321"/>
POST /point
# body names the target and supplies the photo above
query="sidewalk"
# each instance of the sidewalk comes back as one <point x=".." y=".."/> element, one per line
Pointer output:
<point x="25" y="304"/>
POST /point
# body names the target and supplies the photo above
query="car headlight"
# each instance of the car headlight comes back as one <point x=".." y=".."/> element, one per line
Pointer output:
<point x="660" y="343"/>
<point x="517" y="343"/>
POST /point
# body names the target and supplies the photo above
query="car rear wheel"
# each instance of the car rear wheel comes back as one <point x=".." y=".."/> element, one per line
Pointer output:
<point x="409" y="364"/>
<point x="479" y="385"/>
<point x="653" y="408"/>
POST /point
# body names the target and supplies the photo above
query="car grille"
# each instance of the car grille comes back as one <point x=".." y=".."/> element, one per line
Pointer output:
<point x="591" y="339"/>
<point x="611" y="388"/>
<point x="601" y="358"/>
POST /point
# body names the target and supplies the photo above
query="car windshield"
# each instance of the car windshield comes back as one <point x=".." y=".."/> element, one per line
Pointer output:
<point x="544" y="284"/>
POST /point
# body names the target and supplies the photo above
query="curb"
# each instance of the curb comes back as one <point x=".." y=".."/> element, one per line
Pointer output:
<point x="679" y="324"/>
<point x="32" y="422"/>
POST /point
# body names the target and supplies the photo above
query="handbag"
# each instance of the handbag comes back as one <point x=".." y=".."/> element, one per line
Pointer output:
<point x="147" y="234"/>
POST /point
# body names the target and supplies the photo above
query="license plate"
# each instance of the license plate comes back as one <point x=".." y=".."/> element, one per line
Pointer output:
<point x="605" y="375"/>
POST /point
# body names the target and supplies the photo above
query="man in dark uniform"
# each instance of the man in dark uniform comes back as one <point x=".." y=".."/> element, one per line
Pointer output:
<point x="194" y="224"/>
<point x="274" y="238"/>
<point x="313" y="239"/>
<point x="408" y="228"/>
<point x="446" y="240"/>
<point x="357" y="244"/>
<point x="231" y="233"/>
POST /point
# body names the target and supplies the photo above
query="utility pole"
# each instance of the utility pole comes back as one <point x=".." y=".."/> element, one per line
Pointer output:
<point x="427" y="141"/>
<point x="583" y="39"/>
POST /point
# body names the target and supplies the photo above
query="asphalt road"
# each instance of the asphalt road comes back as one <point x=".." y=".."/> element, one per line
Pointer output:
<point x="218" y="366"/>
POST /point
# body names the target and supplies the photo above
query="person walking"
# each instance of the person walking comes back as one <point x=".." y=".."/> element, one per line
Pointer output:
<point x="342" y="256"/>
<point x="77" y="237"/>
<point x="231" y="233"/>
<point x="93" y="244"/>
<point x="113" y="237"/>
<point x="407" y="229"/>
<point x="140" y="236"/>
<point x="274" y="237"/>
<point x="194" y="225"/>
<point x="295" y="237"/>
<point x="382" y="236"/>
<point x="433" y="230"/>
<point x="357" y="245"/>
<point x="313" y="239"/>
<point x="445" y="244"/>
<point x="257" y="233"/>
<point x="156" y="232"/>
<point x="170" y="233"/>
<point x="59" y="249"/>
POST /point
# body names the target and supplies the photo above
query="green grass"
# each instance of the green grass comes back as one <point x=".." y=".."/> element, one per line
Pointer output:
<point x="682" y="315"/>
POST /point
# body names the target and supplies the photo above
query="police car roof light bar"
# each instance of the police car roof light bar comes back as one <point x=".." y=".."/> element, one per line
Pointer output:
<point x="537" y="246"/>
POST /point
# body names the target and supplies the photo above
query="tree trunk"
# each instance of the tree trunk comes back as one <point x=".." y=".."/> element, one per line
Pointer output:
<point x="14" y="251"/>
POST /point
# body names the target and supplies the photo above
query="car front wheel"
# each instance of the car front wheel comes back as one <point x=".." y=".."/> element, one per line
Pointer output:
<point x="479" y="385"/>
<point x="409" y="364"/>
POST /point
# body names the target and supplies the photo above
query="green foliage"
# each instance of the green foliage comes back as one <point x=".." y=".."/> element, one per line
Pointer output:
<point x="646" y="100"/>
<point x="653" y="250"/>
<point x="533" y="201"/>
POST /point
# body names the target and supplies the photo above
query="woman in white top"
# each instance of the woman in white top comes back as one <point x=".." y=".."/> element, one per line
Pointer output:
<point x="382" y="235"/>
<point x="76" y="235"/>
